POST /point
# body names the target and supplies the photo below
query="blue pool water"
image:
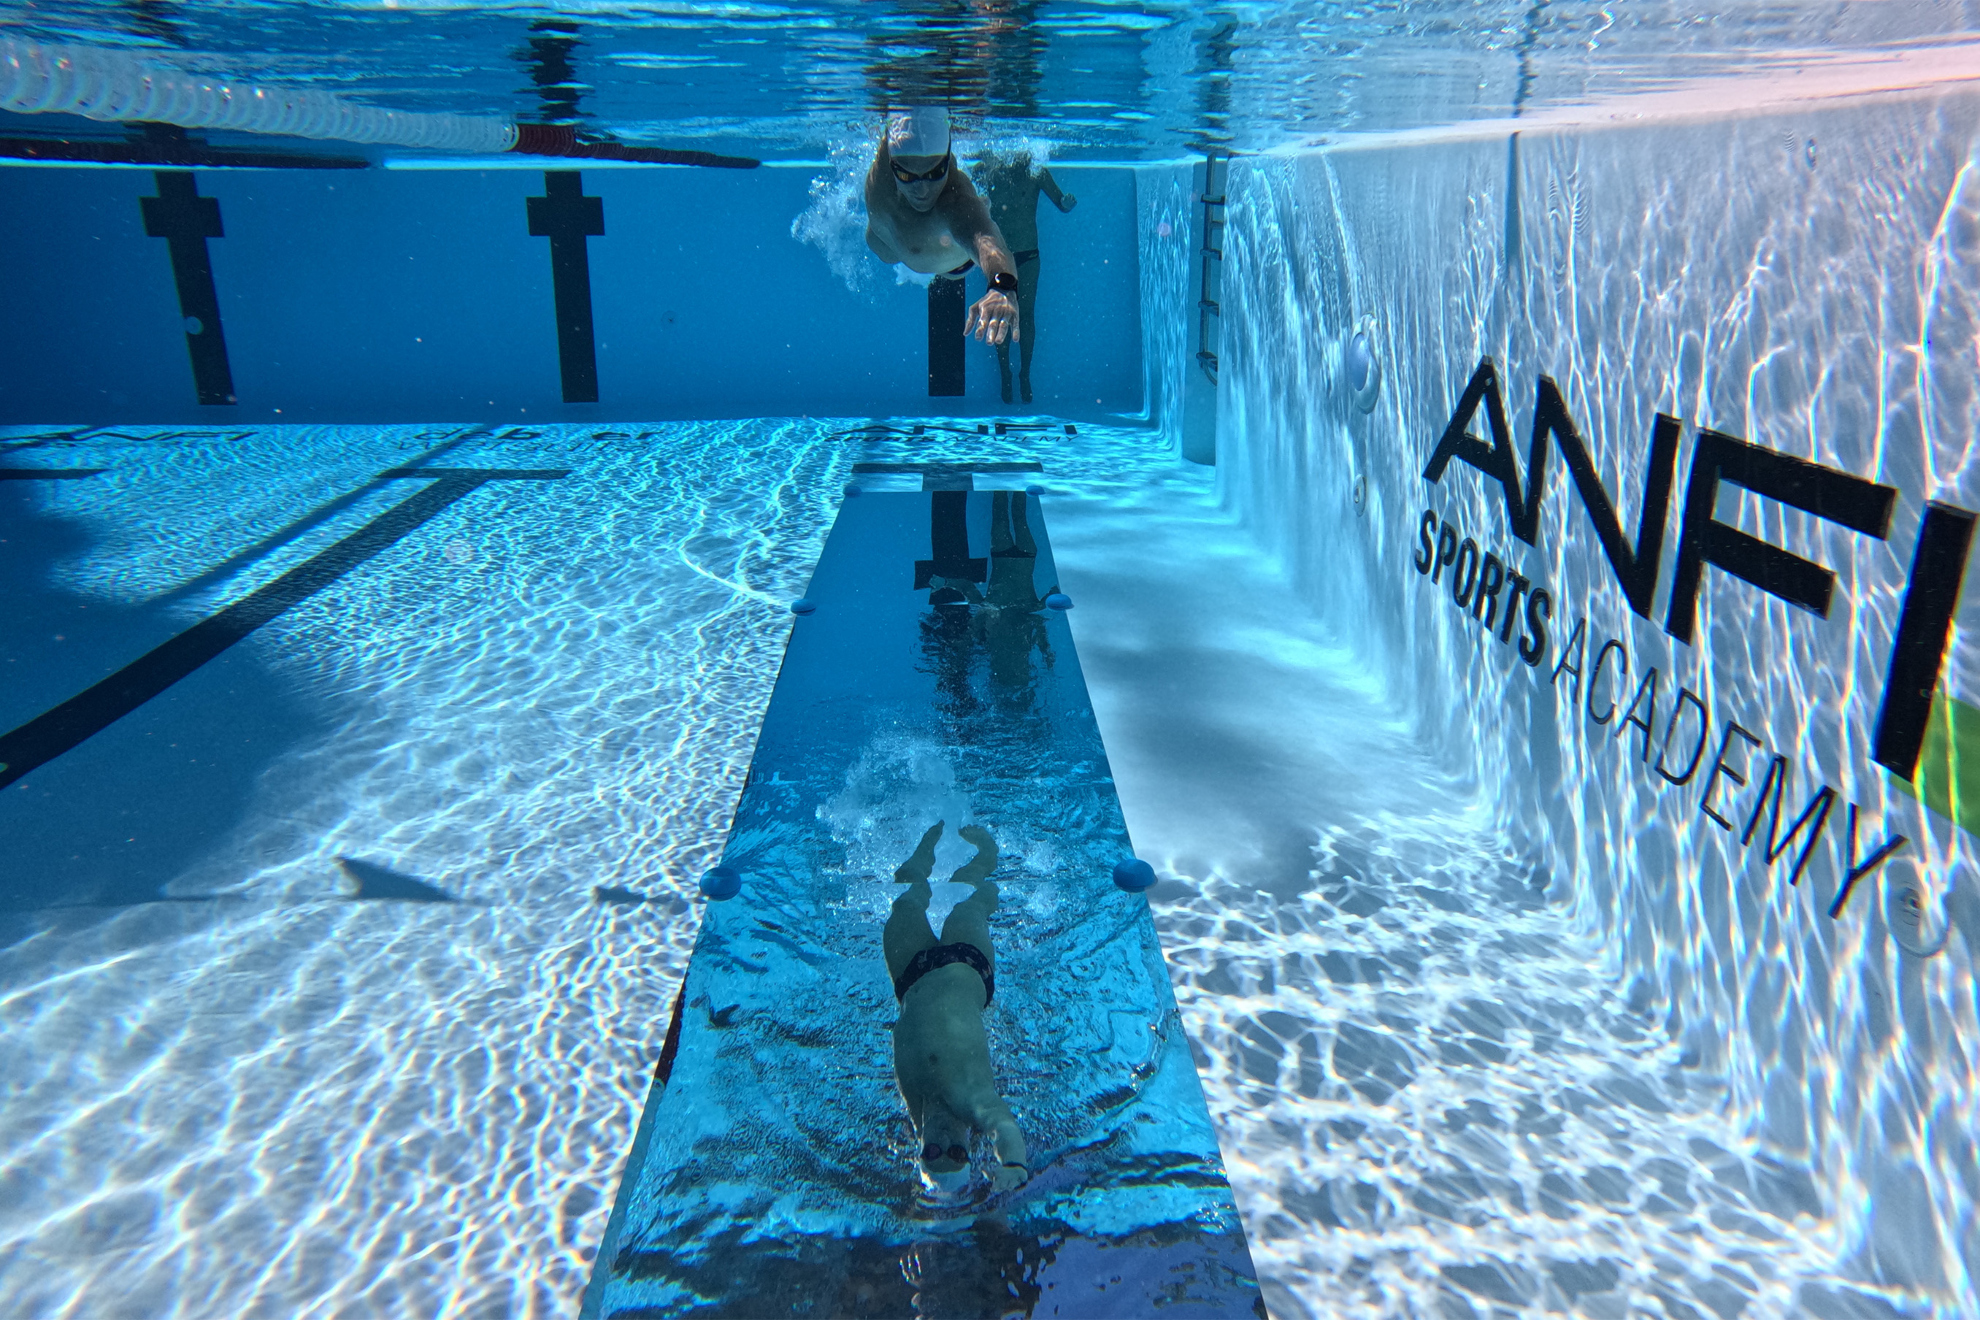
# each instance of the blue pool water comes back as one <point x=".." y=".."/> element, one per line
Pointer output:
<point x="374" y="709"/>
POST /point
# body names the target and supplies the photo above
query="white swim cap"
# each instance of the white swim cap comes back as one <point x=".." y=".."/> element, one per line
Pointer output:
<point x="919" y="130"/>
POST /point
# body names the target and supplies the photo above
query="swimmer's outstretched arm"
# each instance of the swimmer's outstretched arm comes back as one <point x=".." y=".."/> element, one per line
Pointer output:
<point x="994" y="318"/>
<point x="1065" y="201"/>
<point x="979" y="867"/>
<point x="918" y="866"/>
<point x="1011" y="1155"/>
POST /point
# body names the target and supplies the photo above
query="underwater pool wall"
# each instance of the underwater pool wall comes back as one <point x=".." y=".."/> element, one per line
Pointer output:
<point x="421" y="295"/>
<point x="1808" y="288"/>
<point x="1163" y="196"/>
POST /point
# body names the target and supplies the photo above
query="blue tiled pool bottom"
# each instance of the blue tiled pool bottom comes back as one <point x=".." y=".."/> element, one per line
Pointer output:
<point x="776" y="1171"/>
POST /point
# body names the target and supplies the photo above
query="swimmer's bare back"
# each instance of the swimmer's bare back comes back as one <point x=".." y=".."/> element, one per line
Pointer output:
<point x="941" y="1051"/>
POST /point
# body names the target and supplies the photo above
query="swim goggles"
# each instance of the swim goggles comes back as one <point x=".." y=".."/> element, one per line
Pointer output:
<point x="929" y="176"/>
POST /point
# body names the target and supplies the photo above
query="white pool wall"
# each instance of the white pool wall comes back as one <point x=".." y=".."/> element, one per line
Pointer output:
<point x="1164" y="197"/>
<point x="1806" y="282"/>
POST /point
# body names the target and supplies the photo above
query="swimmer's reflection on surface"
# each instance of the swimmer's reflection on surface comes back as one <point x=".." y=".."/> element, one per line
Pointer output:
<point x="1006" y="616"/>
<point x="941" y="1052"/>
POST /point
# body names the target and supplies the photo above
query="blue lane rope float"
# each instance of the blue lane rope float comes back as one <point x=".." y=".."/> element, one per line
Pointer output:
<point x="803" y="606"/>
<point x="1058" y="600"/>
<point x="721" y="882"/>
<point x="1134" y="875"/>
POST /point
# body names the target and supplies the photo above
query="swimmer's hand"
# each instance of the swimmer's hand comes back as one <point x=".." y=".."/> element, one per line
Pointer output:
<point x="994" y="319"/>
<point x="1007" y="1176"/>
<point x="918" y="866"/>
<point x="1067" y="202"/>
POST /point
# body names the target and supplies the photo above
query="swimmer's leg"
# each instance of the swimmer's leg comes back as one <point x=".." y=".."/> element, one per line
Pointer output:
<point x="1001" y="540"/>
<point x="1027" y="300"/>
<point x="969" y="920"/>
<point x="1027" y="548"/>
<point x="907" y="932"/>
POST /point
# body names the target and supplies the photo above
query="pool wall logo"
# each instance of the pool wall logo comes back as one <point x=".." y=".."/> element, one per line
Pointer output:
<point x="1479" y="577"/>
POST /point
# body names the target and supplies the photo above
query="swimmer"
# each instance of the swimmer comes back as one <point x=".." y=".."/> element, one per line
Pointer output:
<point x="941" y="1052"/>
<point x="923" y="212"/>
<point x="1013" y="182"/>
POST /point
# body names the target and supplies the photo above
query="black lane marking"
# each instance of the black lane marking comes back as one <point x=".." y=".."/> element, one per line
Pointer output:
<point x="948" y="528"/>
<point x="949" y="468"/>
<point x="56" y="731"/>
<point x="47" y="474"/>
<point x="552" y="42"/>
<point x="315" y="518"/>
<point x="566" y="217"/>
<point x="1924" y="627"/>
<point x="20" y="442"/>
<point x="946" y="307"/>
<point x="186" y="220"/>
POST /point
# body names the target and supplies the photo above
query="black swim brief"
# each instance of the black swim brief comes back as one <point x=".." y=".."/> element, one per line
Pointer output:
<point x="1029" y="254"/>
<point x="958" y="272"/>
<point x="941" y="955"/>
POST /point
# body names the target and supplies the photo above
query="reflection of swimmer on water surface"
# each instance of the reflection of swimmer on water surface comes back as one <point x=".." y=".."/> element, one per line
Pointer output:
<point x="941" y="1051"/>
<point x="923" y="212"/>
<point x="1007" y="616"/>
<point x="1012" y="182"/>
<point x="1011" y="622"/>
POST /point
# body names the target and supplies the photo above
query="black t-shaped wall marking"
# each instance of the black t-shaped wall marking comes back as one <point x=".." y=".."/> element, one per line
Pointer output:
<point x="186" y="220"/>
<point x="947" y="309"/>
<point x="566" y="217"/>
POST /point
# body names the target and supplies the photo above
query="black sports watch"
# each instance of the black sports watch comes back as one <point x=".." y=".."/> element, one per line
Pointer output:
<point x="1004" y="282"/>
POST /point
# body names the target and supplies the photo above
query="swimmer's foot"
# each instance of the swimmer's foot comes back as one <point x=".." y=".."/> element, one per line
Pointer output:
<point x="918" y="866"/>
<point x="978" y="868"/>
<point x="1024" y="383"/>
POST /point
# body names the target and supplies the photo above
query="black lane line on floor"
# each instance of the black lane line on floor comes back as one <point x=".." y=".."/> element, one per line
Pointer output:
<point x="20" y="442"/>
<point x="56" y="731"/>
<point x="946" y="306"/>
<point x="566" y="217"/>
<point x="186" y="220"/>
<point x="316" y="517"/>
<point x="944" y="476"/>
<point x="48" y="474"/>
<point x="925" y="468"/>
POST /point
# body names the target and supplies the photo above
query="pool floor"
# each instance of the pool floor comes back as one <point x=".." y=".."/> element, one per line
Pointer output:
<point x="336" y="972"/>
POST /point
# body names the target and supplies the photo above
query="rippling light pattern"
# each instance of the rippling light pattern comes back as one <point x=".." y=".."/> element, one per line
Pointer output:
<point x="1149" y="80"/>
<point x="1785" y="281"/>
<point x="264" y="1097"/>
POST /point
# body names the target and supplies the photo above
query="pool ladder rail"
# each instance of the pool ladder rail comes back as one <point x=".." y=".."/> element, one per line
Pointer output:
<point x="1213" y="221"/>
